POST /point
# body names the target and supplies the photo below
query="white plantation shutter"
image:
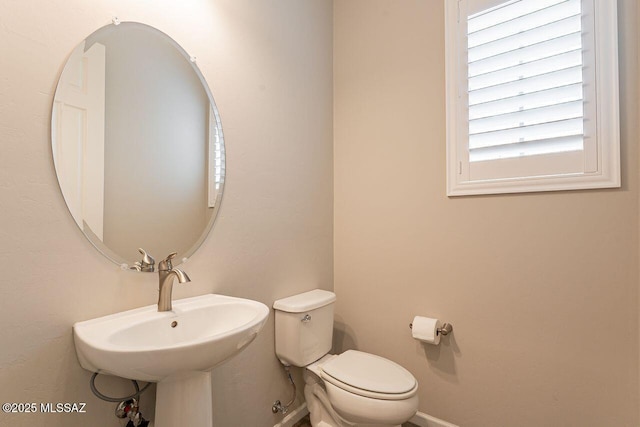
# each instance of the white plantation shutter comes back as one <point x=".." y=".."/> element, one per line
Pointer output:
<point x="216" y="165"/>
<point x="525" y="85"/>
<point x="525" y="79"/>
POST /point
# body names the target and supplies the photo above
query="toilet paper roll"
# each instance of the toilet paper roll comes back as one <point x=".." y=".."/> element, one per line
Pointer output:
<point x="426" y="329"/>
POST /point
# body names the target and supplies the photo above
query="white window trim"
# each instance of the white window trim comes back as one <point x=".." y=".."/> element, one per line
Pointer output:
<point x="607" y="174"/>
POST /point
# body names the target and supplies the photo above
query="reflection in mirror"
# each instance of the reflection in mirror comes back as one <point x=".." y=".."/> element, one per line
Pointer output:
<point x="137" y="144"/>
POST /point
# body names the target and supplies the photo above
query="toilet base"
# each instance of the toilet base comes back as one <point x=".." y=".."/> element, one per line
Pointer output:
<point x="321" y="413"/>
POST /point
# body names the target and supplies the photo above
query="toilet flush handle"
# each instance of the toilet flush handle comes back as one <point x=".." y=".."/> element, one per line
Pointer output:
<point x="306" y="318"/>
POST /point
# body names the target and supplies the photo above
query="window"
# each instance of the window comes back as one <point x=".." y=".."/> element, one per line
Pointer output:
<point x="532" y="96"/>
<point x="215" y="164"/>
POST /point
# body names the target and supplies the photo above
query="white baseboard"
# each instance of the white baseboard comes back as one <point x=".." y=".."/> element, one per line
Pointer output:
<point x="423" y="420"/>
<point x="294" y="416"/>
<point x="420" y="419"/>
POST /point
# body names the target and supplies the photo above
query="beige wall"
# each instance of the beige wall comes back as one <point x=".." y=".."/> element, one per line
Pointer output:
<point x="638" y="130"/>
<point x="269" y="66"/>
<point x="542" y="289"/>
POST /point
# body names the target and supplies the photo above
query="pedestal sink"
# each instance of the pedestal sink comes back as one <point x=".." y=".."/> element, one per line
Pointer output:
<point x="177" y="349"/>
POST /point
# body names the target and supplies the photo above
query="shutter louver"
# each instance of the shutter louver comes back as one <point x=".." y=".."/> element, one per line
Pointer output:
<point x="525" y="79"/>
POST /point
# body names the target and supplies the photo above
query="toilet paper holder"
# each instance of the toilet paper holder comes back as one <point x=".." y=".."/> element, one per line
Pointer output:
<point x="446" y="329"/>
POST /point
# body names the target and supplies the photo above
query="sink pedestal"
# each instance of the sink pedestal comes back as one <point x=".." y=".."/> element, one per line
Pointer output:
<point x="184" y="399"/>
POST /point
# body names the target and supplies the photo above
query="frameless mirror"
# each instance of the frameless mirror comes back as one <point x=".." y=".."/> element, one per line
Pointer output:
<point x="137" y="144"/>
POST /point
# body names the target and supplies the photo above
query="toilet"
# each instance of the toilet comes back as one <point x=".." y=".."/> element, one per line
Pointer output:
<point x="349" y="389"/>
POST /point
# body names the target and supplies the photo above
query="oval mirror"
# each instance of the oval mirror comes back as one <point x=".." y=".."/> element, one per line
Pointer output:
<point x="137" y="144"/>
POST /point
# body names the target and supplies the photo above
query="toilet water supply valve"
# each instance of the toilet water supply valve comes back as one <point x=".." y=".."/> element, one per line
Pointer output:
<point x="277" y="405"/>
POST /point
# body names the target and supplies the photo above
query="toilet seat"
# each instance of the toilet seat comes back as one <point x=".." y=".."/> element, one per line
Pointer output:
<point x="369" y="376"/>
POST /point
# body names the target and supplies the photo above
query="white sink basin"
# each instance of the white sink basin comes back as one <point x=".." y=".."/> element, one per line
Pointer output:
<point x="144" y="344"/>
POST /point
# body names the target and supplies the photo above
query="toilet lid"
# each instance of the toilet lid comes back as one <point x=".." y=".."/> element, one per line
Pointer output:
<point x="369" y="372"/>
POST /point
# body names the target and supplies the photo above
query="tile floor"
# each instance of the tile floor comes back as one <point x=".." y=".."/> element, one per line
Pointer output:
<point x="303" y="422"/>
<point x="306" y="423"/>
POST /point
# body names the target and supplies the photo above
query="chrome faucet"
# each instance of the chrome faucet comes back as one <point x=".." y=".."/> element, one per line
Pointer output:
<point x="146" y="264"/>
<point x="166" y="274"/>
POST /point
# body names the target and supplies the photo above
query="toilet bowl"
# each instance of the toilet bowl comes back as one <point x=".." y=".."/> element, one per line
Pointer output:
<point x="349" y="389"/>
<point x="362" y="389"/>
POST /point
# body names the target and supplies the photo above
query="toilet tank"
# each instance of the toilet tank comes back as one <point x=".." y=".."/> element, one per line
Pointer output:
<point x="304" y="327"/>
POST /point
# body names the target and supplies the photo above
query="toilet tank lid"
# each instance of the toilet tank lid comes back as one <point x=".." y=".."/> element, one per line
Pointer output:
<point x="305" y="302"/>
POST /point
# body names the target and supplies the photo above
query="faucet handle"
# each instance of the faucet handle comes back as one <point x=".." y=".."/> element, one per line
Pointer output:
<point x="165" y="264"/>
<point x="147" y="262"/>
